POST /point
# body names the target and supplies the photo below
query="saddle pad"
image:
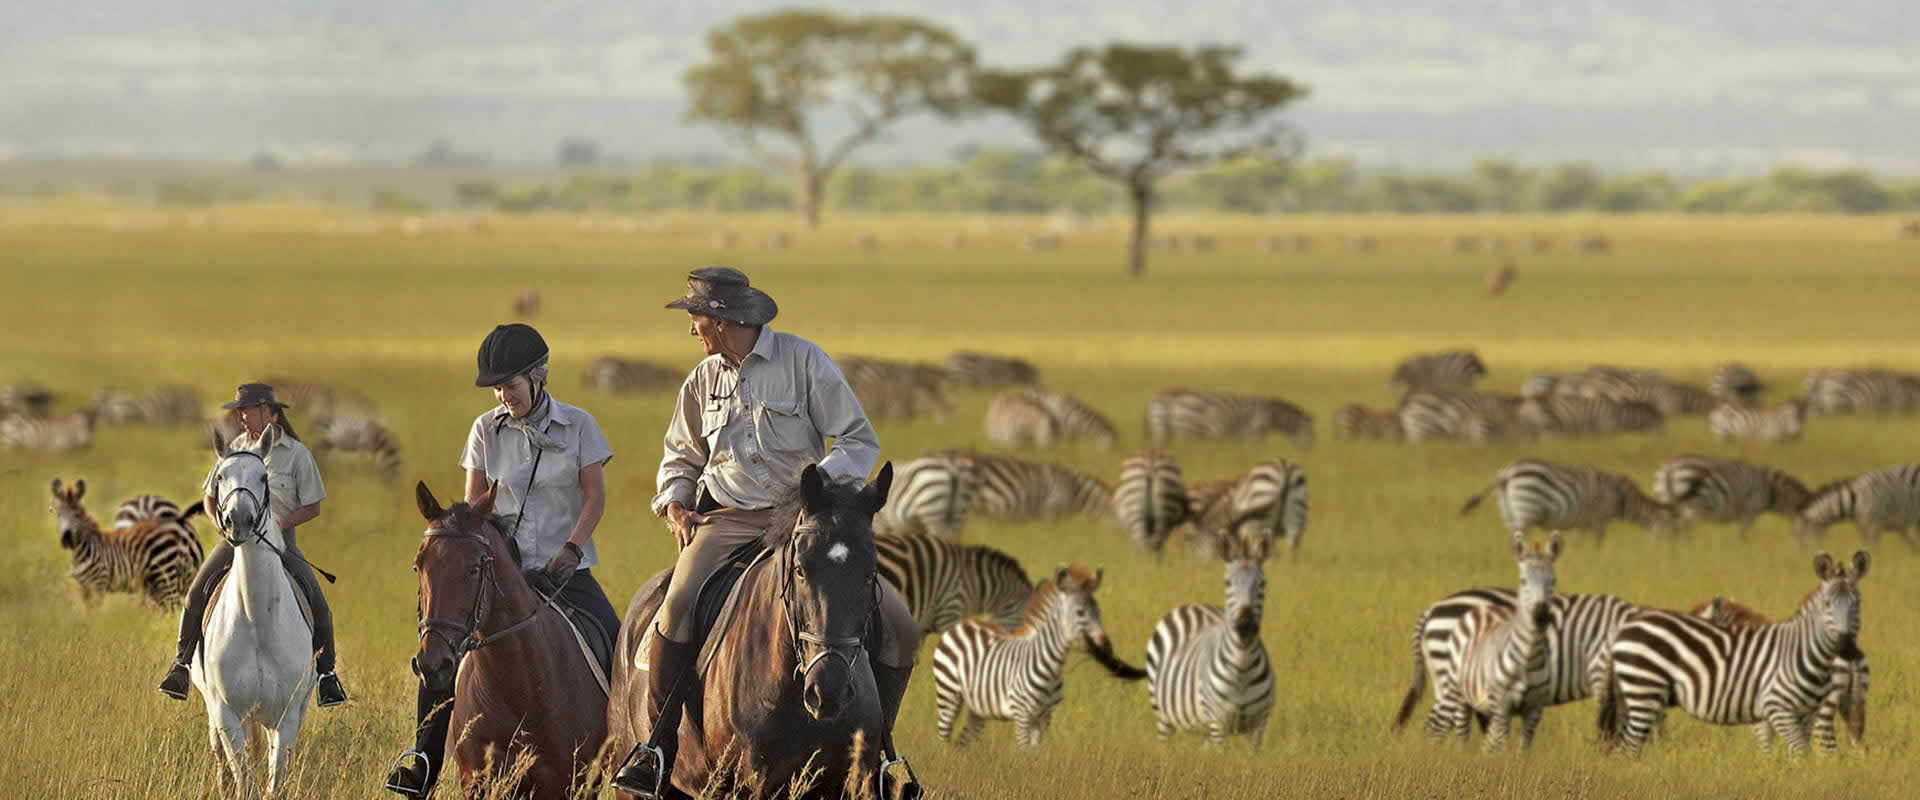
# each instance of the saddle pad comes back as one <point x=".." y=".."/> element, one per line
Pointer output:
<point x="715" y="617"/>
<point x="594" y="659"/>
<point x="213" y="601"/>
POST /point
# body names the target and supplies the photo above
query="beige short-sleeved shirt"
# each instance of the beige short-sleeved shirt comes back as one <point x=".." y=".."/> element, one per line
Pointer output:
<point x="548" y="513"/>
<point x="743" y="432"/>
<point x="293" y="479"/>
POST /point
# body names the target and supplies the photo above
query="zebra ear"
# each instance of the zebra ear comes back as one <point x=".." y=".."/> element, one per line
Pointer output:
<point x="429" y="505"/>
<point x="79" y="488"/>
<point x="1098" y="573"/>
<point x="1519" y="545"/>
<point x="1822" y="565"/>
<point x="1060" y="575"/>
<point x="56" y="488"/>
<point x="1555" y="545"/>
<point x="1860" y="560"/>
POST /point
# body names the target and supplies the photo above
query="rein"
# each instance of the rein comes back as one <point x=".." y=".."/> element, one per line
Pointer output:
<point x="466" y="638"/>
<point x="844" y="647"/>
<point x="259" y="532"/>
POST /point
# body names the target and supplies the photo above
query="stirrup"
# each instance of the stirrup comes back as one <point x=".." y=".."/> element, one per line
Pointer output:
<point x="394" y="768"/>
<point x="907" y="791"/>
<point x="624" y="781"/>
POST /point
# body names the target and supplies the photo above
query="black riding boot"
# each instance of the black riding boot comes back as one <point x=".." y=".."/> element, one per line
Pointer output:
<point x="416" y="770"/>
<point x="650" y="771"/>
<point x="891" y="685"/>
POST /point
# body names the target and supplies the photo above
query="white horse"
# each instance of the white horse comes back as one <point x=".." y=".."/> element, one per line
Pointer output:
<point x="255" y="665"/>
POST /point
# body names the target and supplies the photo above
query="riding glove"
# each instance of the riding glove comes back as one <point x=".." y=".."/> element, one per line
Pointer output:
<point x="558" y="571"/>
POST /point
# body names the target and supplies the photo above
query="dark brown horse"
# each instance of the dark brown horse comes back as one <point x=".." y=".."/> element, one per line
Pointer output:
<point x="789" y="681"/>
<point x="523" y="688"/>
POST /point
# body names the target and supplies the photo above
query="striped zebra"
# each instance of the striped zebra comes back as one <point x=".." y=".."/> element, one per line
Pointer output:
<point x="1268" y="502"/>
<point x="167" y="404"/>
<point x="1207" y="669"/>
<point x="868" y="370"/>
<point x="944" y="582"/>
<point x="1476" y="417"/>
<point x="1036" y="417"/>
<point x="986" y="371"/>
<point x="1847" y="699"/>
<point x="27" y="398"/>
<point x="1538" y="494"/>
<point x="1739" y="423"/>
<point x="322" y="398"/>
<point x="1867" y="391"/>
<point x="932" y="494"/>
<point x="1734" y="383"/>
<point x="1444" y="369"/>
<point x="1150" y="499"/>
<point x="357" y="435"/>
<point x="1076" y="420"/>
<point x="613" y="374"/>
<point x="1629" y="385"/>
<point x="1355" y="421"/>
<point x="996" y="674"/>
<point x="1885" y="499"/>
<point x="1778" y="673"/>
<point x="1013" y="490"/>
<point x="1571" y="415"/>
<point x="896" y="399"/>
<point x="1178" y="413"/>
<point x="144" y="507"/>
<point x="71" y="432"/>
<point x="154" y="558"/>
<point x="1718" y="490"/>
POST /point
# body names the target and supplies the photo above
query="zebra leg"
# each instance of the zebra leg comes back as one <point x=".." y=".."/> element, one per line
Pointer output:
<point x="1746" y="526"/>
<point x="1497" y="727"/>
<point x="949" y="704"/>
<point x="1643" y="713"/>
<point x="1528" y="723"/>
<point x="1787" y="725"/>
<point x="971" y="731"/>
<point x="1822" y="722"/>
<point x="1763" y="733"/>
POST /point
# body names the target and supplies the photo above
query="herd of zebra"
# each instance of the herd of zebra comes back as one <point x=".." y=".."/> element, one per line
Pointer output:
<point x="340" y="420"/>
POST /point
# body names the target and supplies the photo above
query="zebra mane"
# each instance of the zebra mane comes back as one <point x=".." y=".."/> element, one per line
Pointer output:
<point x="1043" y="594"/>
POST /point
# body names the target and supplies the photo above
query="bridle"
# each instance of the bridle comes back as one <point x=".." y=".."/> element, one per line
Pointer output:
<point x="465" y="637"/>
<point x="260" y="500"/>
<point x="842" y="647"/>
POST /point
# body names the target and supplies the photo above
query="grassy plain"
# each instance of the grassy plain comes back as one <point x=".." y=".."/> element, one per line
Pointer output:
<point x="216" y="300"/>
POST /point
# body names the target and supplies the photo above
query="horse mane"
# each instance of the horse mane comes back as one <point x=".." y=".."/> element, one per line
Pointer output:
<point x="788" y="505"/>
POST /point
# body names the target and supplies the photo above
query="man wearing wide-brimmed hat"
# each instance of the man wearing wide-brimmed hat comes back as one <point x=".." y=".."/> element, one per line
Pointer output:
<point x="294" y="493"/>
<point x="758" y="410"/>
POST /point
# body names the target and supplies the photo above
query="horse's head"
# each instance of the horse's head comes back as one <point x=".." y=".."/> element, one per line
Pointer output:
<point x="829" y="585"/>
<point x="455" y="565"/>
<point x="68" y="512"/>
<point x="240" y="493"/>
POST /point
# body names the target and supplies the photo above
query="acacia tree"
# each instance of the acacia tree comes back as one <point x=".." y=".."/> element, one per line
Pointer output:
<point x="1136" y="114"/>
<point x="770" y="76"/>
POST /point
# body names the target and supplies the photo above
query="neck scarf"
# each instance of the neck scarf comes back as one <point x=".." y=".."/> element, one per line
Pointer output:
<point x="534" y="425"/>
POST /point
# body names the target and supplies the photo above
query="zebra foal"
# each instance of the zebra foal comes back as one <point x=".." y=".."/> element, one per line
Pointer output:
<point x="155" y="558"/>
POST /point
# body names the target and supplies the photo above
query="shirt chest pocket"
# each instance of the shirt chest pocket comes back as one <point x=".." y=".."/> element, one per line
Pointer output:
<point x="557" y="470"/>
<point x="784" y="425"/>
<point x="285" y="491"/>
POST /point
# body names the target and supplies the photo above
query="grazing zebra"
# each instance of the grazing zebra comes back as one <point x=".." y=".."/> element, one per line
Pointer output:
<point x="166" y="404"/>
<point x="1538" y="494"/>
<point x="1076" y="420"/>
<point x="1268" y="502"/>
<point x="613" y="374"/>
<point x="1150" y="499"/>
<point x="358" y="435"/>
<point x="986" y="371"/>
<point x="26" y="398"/>
<point x="1207" y="669"/>
<point x="1538" y="244"/>
<point x="1498" y="280"/>
<point x="1360" y="244"/>
<point x="1017" y="675"/>
<point x="1730" y="422"/>
<point x="1847" y="699"/>
<point x="865" y="370"/>
<point x="1779" y="673"/>
<point x="1570" y="415"/>
<point x="154" y="558"/>
<point x="1015" y="490"/>
<point x="945" y="582"/>
<point x="1462" y="243"/>
<point x="894" y="399"/>
<point x="1882" y="500"/>
<point x="1444" y="369"/>
<point x="1717" y="490"/>
<point x="1449" y="415"/>
<point x="1642" y="386"/>
<point x="322" y="398"/>
<point x="1734" y="383"/>
<point x="1593" y="243"/>
<point x="932" y="494"/>
<point x="1355" y="421"/>
<point x="144" y="507"/>
<point x="71" y="432"/>
<point x="1583" y="627"/>
<point x="1032" y="416"/>
<point x="1178" y="413"/>
<point x="1294" y="243"/>
<point x="1871" y="391"/>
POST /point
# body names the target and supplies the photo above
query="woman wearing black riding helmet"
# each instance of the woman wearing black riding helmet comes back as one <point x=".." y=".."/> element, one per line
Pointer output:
<point x="545" y="459"/>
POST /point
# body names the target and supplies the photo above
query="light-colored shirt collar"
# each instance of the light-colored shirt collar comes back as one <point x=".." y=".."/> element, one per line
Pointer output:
<point x="767" y="347"/>
<point x="561" y="412"/>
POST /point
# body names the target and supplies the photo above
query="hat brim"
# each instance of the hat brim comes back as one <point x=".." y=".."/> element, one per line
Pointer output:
<point x="238" y="404"/>
<point x="755" y="308"/>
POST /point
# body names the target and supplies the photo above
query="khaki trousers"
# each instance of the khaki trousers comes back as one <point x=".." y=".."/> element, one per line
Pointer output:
<point x="727" y="530"/>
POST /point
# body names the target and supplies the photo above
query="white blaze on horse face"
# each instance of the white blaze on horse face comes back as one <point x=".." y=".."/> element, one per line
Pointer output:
<point x="838" y="553"/>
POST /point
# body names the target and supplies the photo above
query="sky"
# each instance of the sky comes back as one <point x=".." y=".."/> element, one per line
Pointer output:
<point x="1706" y="85"/>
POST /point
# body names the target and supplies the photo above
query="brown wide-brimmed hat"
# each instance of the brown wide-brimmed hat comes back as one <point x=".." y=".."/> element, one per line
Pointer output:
<point x="254" y="394"/>
<point x="724" y="292"/>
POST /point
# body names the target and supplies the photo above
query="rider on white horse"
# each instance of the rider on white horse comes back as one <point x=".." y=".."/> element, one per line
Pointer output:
<point x="294" y="495"/>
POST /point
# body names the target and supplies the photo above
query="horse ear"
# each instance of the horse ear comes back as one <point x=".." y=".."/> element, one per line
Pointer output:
<point x="1860" y="560"/>
<point x="813" y="486"/>
<point x="429" y="505"/>
<point x="219" y="443"/>
<point x="484" y="507"/>
<point x="878" y="488"/>
<point x="268" y="438"/>
<point x="1822" y="564"/>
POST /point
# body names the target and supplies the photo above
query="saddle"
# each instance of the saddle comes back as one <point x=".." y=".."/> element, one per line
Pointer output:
<point x="713" y="608"/>
<point x="213" y="600"/>
<point x="596" y="642"/>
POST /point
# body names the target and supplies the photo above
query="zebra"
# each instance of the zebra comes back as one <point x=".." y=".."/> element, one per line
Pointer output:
<point x="1779" y="673"/>
<point x="1885" y="499"/>
<point x="1717" y="490"/>
<point x="71" y="432"/>
<point x="1017" y="675"/>
<point x="1443" y="369"/>
<point x="613" y="374"/>
<point x="1294" y="243"/>
<point x="1730" y="422"/>
<point x="1583" y="626"/>
<point x="1847" y="698"/>
<point x="985" y="371"/>
<point x="322" y="398"/>
<point x="144" y="507"/>
<point x="1207" y="669"/>
<point x="932" y="494"/>
<point x="1570" y="415"/>
<point x="1450" y="415"/>
<point x="1268" y="502"/>
<point x="1015" y="490"/>
<point x="1868" y="391"/>
<point x="1360" y="243"/>
<point x="943" y="582"/>
<point x="1538" y="494"/>
<point x="860" y="370"/>
<point x="358" y="435"/>
<point x="1734" y="383"/>
<point x="1179" y="413"/>
<point x="1644" y="386"/>
<point x="26" y="398"/>
<point x="1076" y="420"/>
<point x="896" y="399"/>
<point x="1150" y="499"/>
<point x="1591" y="243"/>
<point x="1017" y="419"/>
<point x="167" y="404"/>
<point x="1355" y="421"/>
<point x="1044" y="242"/>
<point x="155" y="558"/>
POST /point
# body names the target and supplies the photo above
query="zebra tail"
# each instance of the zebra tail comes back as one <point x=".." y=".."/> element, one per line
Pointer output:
<point x="1419" y="687"/>
<point x="1474" y="501"/>
<point x="198" y="507"/>
<point x="1119" y="669"/>
<point x="1612" y="707"/>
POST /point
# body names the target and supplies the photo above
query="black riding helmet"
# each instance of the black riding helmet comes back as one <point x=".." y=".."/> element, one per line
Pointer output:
<point x="508" y="351"/>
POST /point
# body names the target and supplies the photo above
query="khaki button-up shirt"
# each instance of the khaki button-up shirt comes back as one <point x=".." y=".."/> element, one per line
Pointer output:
<point x="293" y="479"/>
<point x="744" y="432"/>
<point x="546" y="515"/>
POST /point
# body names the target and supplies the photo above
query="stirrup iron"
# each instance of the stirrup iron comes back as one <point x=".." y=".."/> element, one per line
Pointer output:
<point x="395" y="767"/>
<point x="643" y="750"/>
<point x="882" y="780"/>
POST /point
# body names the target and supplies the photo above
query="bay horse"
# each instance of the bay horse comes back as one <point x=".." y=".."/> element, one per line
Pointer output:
<point x="789" y="689"/>
<point x="255" y="663"/>
<point x="522" y="688"/>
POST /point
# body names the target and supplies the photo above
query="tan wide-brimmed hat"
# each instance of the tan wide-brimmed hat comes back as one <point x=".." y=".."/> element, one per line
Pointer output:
<point x="724" y="292"/>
